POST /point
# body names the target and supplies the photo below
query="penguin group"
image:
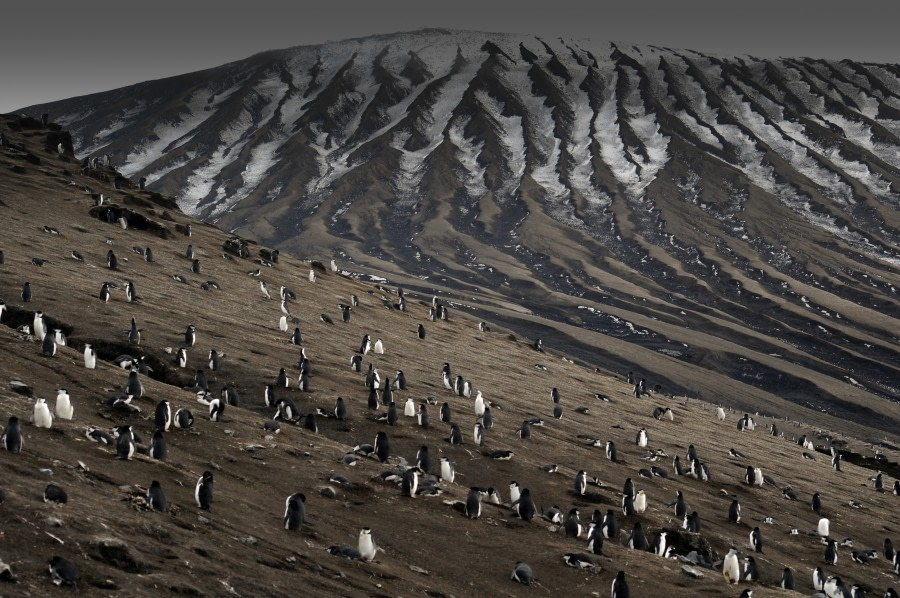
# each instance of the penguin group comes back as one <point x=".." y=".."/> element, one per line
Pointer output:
<point x="394" y="399"/>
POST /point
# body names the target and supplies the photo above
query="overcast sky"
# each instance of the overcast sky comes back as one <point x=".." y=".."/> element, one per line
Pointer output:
<point x="54" y="49"/>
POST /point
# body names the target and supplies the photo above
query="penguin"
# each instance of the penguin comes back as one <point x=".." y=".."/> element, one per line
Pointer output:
<point x="59" y="337"/>
<point x="823" y="527"/>
<point x="282" y="381"/>
<point x="720" y="414"/>
<point x="104" y="292"/>
<point x="63" y="572"/>
<point x="524" y="432"/>
<point x="478" y="434"/>
<point x="734" y="512"/>
<point x="130" y="292"/>
<point x="294" y="512"/>
<point x="263" y="288"/>
<point x="473" y="504"/>
<point x="878" y="482"/>
<point x="312" y="275"/>
<point x="155" y="496"/>
<point x="750" y="476"/>
<point x="409" y="408"/>
<point x="373" y="399"/>
<point x="834" y="587"/>
<point x="340" y="409"/>
<point x="213" y="360"/>
<point x="831" y="552"/>
<point x="366" y="345"/>
<point x="610" y="527"/>
<point x="125" y="446"/>
<point x="787" y="579"/>
<point x="134" y="387"/>
<point x="836" y="461"/>
<point x="181" y="358"/>
<point x="378" y="347"/>
<point x="628" y="488"/>
<point x="731" y="568"/>
<point x="659" y="545"/>
<point x="751" y="572"/>
<point x="455" y="434"/>
<point x="637" y="540"/>
<point x="479" y="404"/>
<point x="445" y="413"/>
<point x="303" y="382"/>
<point x="216" y="409"/>
<point x="816" y="504"/>
<point x="354" y="301"/>
<point x="55" y="494"/>
<point x="580" y="483"/>
<point x="640" y="502"/>
<point x="409" y="483"/>
<point x="595" y="538"/>
<point x="148" y="255"/>
<point x="134" y="335"/>
<point x="286" y="410"/>
<point x="26" y="292"/>
<point x="42" y="417"/>
<point x="818" y="577"/>
<point x="203" y="493"/>
<point x="467" y="389"/>
<point x="366" y="546"/>
<point x="611" y="451"/>
<point x="642" y="438"/>
<point x="420" y="331"/>
<point x="557" y="411"/>
<point x="523" y="574"/>
<point x="200" y="382"/>
<point x="524" y="507"/>
<point x="448" y="471"/>
<point x="680" y="505"/>
<point x="112" y="262"/>
<point x="423" y="461"/>
<point x="758" y="476"/>
<point x="620" y="586"/>
<point x="387" y="395"/>
<point x="48" y="346"/>
<point x="183" y="419"/>
<point x="572" y="525"/>
<point x="355" y="363"/>
<point x="487" y="418"/>
<point x="400" y="380"/>
<point x="554" y="515"/>
<point x="269" y="396"/>
<point x="90" y="357"/>
<point x="64" y="408"/>
<point x="888" y="550"/>
<point x="190" y="335"/>
<point x="692" y="523"/>
<point x="158" y="448"/>
<point x="12" y="436"/>
<point x="382" y="447"/>
<point x="459" y="385"/>
<point x="756" y="540"/>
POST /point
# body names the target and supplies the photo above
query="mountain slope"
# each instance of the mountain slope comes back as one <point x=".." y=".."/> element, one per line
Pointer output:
<point x="240" y="546"/>
<point x="730" y="215"/>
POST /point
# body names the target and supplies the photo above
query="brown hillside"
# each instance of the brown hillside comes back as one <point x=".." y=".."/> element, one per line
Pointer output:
<point x="240" y="546"/>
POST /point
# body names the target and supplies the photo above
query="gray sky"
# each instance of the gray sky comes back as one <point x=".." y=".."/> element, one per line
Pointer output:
<point x="59" y="49"/>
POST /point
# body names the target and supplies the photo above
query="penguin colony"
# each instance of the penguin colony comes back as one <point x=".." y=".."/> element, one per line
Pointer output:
<point x="641" y="486"/>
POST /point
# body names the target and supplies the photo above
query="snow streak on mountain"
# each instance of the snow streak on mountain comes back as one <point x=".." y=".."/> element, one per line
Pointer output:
<point x="733" y="214"/>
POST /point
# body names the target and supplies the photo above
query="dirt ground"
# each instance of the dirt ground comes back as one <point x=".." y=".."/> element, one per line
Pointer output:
<point x="240" y="547"/>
